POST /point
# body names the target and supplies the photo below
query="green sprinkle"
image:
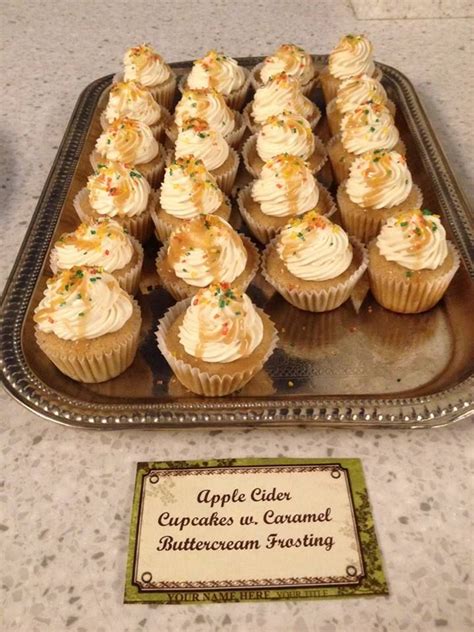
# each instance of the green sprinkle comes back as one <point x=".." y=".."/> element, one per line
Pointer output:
<point x="372" y="129"/>
<point x="135" y="174"/>
<point x="426" y="211"/>
<point x="433" y="227"/>
<point x="81" y="314"/>
<point x="202" y="135"/>
<point x="408" y="274"/>
<point x="79" y="273"/>
<point x="418" y="231"/>
<point x="300" y="235"/>
<point x="93" y="232"/>
<point x="101" y="166"/>
<point x="404" y="224"/>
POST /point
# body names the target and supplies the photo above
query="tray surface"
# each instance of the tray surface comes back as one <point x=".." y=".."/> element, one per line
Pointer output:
<point x="342" y="368"/>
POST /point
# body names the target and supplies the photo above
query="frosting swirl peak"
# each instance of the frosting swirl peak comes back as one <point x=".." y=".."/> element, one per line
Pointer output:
<point x="282" y="92"/>
<point x="129" y="99"/>
<point x="217" y="71"/>
<point x="352" y="56"/>
<point x="291" y="59"/>
<point x="197" y="138"/>
<point x="313" y="248"/>
<point x="188" y="189"/>
<point x="379" y="179"/>
<point x="285" y="133"/>
<point x="206" y="250"/>
<point x="117" y="189"/>
<point x="285" y="187"/>
<point x="221" y="325"/>
<point x="143" y="64"/>
<point x="208" y="105"/>
<point x="128" y="141"/>
<point x="83" y="303"/>
<point x="415" y="239"/>
<point x="367" y="128"/>
<point x="102" y="243"/>
<point x="355" y="91"/>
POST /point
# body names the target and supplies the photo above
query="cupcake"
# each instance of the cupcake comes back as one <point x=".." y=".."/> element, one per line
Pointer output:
<point x="133" y="143"/>
<point x="127" y="99"/>
<point x="102" y="243"/>
<point x="313" y="264"/>
<point x="202" y="251"/>
<point x="284" y="133"/>
<point x="281" y="93"/>
<point x="144" y="65"/>
<point x="351" y="57"/>
<point x="119" y="191"/>
<point x="188" y="190"/>
<point x="368" y="128"/>
<point x="352" y="94"/>
<point x="411" y="263"/>
<point x="87" y="325"/>
<point x="208" y="105"/>
<point x="222" y="73"/>
<point x="293" y="60"/>
<point x="379" y="186"/>
<point x="198" y="139"/>
<point x="285" y="188"/>
<point x="216" y="341"/>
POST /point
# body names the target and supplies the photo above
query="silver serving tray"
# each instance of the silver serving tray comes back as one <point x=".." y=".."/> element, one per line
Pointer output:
<point x="345" y="368"/>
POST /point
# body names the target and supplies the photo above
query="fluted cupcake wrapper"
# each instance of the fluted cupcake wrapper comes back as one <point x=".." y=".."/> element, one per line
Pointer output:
<point x="307" y="89"/>
<point x="235" y="100"/>
<point x="254" y="127"/>
<point x="153" y="171"/>
<point x="264" y="234"/>
<point x="129" y="280"/>
<point x="95" y="365"/>
<point x="202" y="382"/>
<point x="366" y="225"/>
<point x="411" y="297"/>
<point x="335" y="117"/>
<point x="163" y="94"/>
<point x="341" y="168"/>
<point x="315" y="165"/>
<point x="318" y="300"/>
<point x="330" y="84"/>
<point x="163" y="229"/>
<point x="233" y="139"/>
<point x="139" y="226"/>
<point x="156" y="129"/>
<point x="180" y="290"/>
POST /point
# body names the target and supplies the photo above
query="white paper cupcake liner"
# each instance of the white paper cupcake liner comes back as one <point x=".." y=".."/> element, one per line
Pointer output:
<point x="235" y="100"/>
<point x="318" y="300"/>
<point x="180" y="290"/>
<point x="95" y="366"/>
<point x="264" y="234"/>
<point x="366" y="225"/>
<point x="202" y="382"/>
<point x="130" y="279"/>
<point x="139" y="226"/>
<point x="409" y="297"/>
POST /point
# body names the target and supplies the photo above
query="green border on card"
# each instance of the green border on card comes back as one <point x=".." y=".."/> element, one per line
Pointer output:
<point x="373" y="582"/>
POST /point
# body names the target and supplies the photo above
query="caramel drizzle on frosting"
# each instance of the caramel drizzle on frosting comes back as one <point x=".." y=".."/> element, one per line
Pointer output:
<point x="200" y="233"/>
<point x="89" y="236"/>
<point x="292" y="170"/>
<point x="377" y="173"/>
<point x="210" y="63"/>
<point x="107" y="178"/>
<point x="143" y="54"/>
<point x="417" y="228"/>
<point x="294" y="124"/>
<point x="195" y="169"/>
<point x="221" y="295"/>
<point x="131" y="89"/>
<point x="303" y="225"/>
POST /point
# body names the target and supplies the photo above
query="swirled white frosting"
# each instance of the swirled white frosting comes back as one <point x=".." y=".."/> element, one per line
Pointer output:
<point x="221" y="325"/>
<point x="206" y="250"/>
<point x="208" y="105"/>
<point x="379" y="179"/>
<point x="116" y="189"/>
<point x="128" y="99"/>
<point x="143" y="64"/>
<point x="128" y="141"/>
<point x="415" y="240"/>
<point x="285" y="133"/>
<point x="313" y="248"/>
<point x="217" y="71"/>
<point x="285" y="187"/>
<point x="282" y="92"/>
<point x="356" y="91"/>
<point x="352" y="56"/>
<point x="367" y="128"/>
<point x="198" y="139"/>
<point x="83" y="303"/>
<point x="188" y="189"/>
<point x="293" y="60"/>
<point x="102" y="243"/>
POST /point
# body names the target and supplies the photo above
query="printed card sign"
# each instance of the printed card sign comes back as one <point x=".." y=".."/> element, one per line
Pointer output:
<point x="240" y="530"/>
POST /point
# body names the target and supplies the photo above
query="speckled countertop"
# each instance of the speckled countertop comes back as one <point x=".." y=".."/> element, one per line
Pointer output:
<point x="65" y="495"/>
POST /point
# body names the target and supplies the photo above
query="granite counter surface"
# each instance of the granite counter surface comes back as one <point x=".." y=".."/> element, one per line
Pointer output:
<point x="65" y="495"/>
